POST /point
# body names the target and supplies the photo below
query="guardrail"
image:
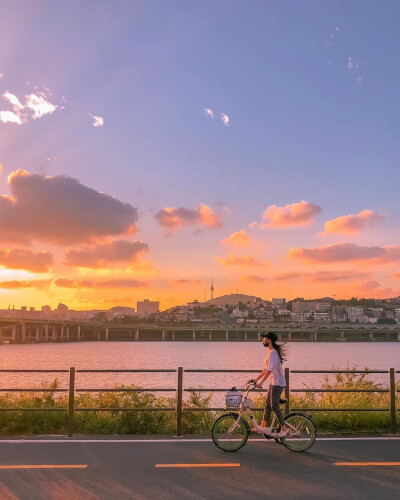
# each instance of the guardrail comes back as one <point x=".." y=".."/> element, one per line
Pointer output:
<point x="179" y="409"/>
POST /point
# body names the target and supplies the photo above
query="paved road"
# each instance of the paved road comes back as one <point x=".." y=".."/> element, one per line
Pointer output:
<point x="120" y="470"/>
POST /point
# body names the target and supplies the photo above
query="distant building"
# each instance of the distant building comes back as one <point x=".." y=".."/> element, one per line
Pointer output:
<point x="376" y="312"/>
<point x="300" y="317"/>
<point x="148" y="307"/>
<point x="237" y="313"/>
<point x="339" y="313"/>
<point x="322" y="307"/>
<point x="46" y="309"/>
<point x="279" y="303"/>
<point x="62" y="308"/>
<point x="302" y="307"/>
<point x="196" y="303"/>
<point x="322" y="317"/>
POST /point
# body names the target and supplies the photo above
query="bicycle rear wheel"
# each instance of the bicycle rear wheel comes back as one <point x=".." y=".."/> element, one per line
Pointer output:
<point x="230" y="432"/>
<point x="302" y="436"/>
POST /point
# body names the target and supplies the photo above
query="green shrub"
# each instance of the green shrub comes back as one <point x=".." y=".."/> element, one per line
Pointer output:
<point x="193" y="422"/>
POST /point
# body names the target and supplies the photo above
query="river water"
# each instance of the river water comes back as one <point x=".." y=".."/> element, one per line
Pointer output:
<point x="189" y="355"/>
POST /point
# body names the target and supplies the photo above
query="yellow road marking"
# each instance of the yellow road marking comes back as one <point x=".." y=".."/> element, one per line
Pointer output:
<point x="367" y="464"/>
<point x="196" y="465"/>
<point x="37" y="466"/>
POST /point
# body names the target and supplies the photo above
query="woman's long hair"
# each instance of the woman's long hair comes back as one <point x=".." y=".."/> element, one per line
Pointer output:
<point x="280" y="349"/>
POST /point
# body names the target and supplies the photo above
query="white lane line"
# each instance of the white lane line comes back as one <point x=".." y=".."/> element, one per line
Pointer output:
<point x="178" y="440"/>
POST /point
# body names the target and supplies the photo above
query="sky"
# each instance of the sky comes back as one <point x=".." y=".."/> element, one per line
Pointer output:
<point x="148" y="147"/>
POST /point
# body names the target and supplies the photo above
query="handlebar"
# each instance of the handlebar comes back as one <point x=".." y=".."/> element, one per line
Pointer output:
<point x="251" y="383"/>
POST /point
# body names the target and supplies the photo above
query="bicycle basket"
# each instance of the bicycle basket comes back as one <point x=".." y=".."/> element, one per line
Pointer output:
<point x="233" y="398"/>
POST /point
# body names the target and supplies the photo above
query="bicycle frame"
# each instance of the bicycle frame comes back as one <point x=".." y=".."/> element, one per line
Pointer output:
<point x="245" y="406"/>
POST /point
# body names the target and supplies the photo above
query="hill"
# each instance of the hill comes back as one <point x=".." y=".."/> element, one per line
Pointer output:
<point x="233" y="299"/>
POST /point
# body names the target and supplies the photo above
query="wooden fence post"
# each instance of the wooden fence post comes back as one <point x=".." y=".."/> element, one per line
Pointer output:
<point x="71" y="402"/>
<point x="287" y="391"/>
<point x="179" y="403"/>
<point x="393" y="413"/>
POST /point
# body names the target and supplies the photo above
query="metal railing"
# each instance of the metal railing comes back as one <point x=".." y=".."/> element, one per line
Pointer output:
<point x="179" y="390"/>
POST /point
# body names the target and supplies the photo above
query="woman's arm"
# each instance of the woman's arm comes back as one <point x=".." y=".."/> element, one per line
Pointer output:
<point x="263" y="377"/>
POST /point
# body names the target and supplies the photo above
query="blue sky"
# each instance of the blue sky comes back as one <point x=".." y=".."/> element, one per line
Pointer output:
<point x="310" y="88"/>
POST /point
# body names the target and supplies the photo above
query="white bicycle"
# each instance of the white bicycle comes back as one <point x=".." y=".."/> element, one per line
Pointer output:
<point x="231" y="430"/>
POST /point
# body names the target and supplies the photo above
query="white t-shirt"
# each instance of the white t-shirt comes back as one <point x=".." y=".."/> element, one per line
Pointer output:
<point x="274" y="365"/>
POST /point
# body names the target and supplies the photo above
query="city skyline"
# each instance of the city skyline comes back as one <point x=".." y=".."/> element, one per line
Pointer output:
<point x="234" y="146"/>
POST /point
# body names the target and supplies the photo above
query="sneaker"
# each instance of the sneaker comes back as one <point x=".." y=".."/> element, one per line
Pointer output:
<point x="279" y="434"/>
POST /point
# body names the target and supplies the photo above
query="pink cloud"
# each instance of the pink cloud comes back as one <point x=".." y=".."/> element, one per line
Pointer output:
<point x="19" y="258"/>
<point x="60" y="210"/>
<point x="345" y="252"/>
<point x="253" y="278"/>
<point x="174" y="218"/>
<point x="352" y="224"/>
<point x="103" y="254"/>
<point x="245" y="261"/>
<point x="296" y="214"/>
<point x="238" y="239"/>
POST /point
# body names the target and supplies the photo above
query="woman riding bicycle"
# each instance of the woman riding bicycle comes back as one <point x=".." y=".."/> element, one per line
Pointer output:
<point x="273" y="370"/>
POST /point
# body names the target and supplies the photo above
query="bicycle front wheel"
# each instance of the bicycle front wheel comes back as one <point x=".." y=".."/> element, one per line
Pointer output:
<point x="230" y="432"/>
<point x="301" y="432"/>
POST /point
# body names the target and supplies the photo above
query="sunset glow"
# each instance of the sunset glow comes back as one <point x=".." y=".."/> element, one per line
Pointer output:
<point x="252" y="143"/>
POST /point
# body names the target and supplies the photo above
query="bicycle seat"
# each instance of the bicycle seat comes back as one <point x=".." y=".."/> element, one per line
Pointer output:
<point x="283" y="401"/>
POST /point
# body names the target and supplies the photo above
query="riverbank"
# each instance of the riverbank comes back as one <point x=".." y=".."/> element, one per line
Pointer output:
<point x="111" y="412"/>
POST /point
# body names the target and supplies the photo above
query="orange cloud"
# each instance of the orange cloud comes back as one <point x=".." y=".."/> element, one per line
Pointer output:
<point x="345" y="252"/>
<point x="238" y="239"/>
<point x="185" y="282"/>
<point x="111" y="283"/>
<point x="174" y="218"/>
<point x="39" y="284"/>
<point x="145" y="266"/>
<point x="60" y="210"/>
<point x="321" y="276"/>
<point x="395" y="276"/>
<point x="289" y="275"/>
<point x="103" y="254"/>
<point x="19" y="258"/>
<point x="245" y="261"/>
<point x="375" y="290"/>
<point x="352" y="224"/>
<point x="70" y="283"/>
<point x="324" y="276"/>
<point x="296" y="214"/>
<point x="253" y="278"/>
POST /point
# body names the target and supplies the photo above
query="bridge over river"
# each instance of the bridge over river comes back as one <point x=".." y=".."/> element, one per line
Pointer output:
<point x="36" y="331"/>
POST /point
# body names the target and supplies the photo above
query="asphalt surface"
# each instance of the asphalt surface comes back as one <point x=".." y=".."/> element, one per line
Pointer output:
<point x="119" y="470"/>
